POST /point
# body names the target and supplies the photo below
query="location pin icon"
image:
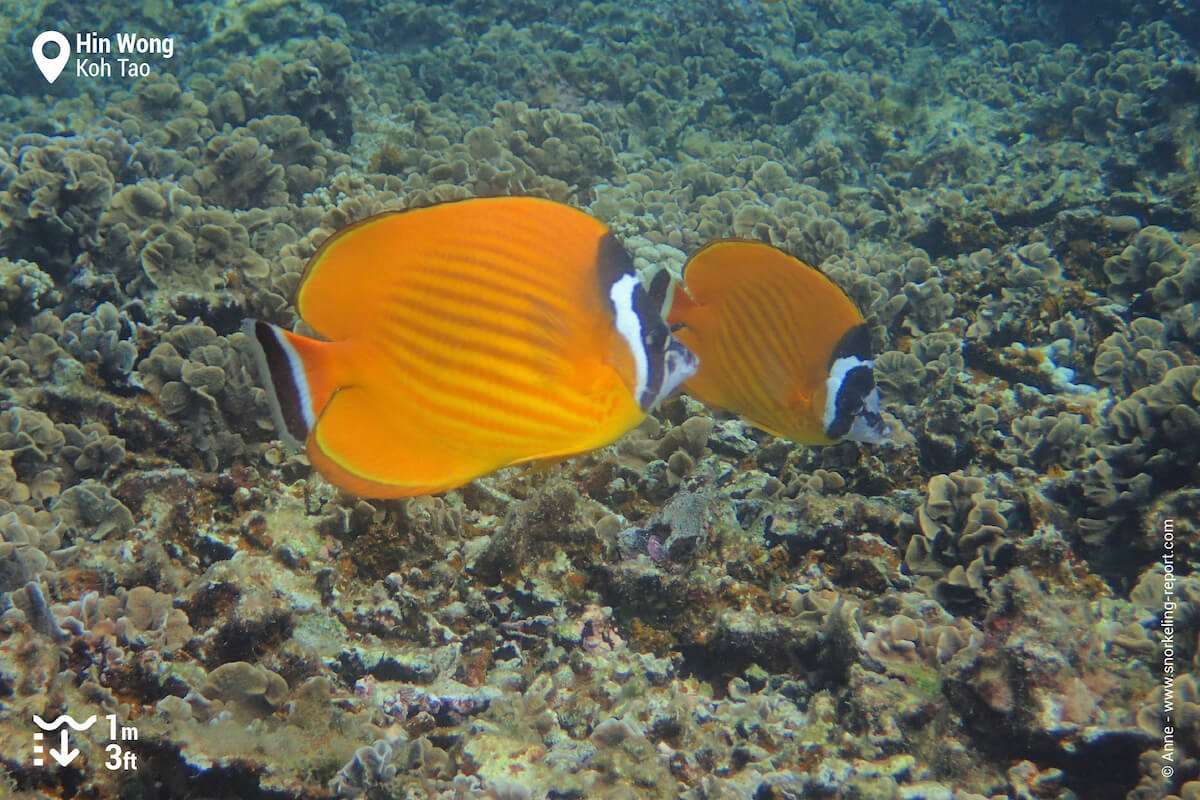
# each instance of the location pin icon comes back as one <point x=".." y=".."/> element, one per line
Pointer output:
<point x="51" y="68"/>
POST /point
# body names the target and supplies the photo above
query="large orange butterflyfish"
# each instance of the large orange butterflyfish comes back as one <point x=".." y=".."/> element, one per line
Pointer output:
<point x="465" y="337"/>
<point x="779" y="344"/>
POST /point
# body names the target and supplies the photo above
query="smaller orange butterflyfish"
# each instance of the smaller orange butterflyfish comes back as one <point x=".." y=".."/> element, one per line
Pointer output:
<point x="779" y="344"/>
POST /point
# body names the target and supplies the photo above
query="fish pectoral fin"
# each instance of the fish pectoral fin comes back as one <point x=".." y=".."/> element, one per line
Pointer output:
<point x="680" y="306"/>
<point x="798" y="398"/>
<point x="541" y="465"/>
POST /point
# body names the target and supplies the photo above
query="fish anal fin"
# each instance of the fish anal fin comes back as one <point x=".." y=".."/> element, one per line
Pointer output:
<point x="360" y="445"/>
<point x="347" y="481"/>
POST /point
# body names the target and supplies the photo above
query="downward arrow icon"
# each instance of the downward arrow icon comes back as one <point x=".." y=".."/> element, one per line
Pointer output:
<point x="65" y="755"/>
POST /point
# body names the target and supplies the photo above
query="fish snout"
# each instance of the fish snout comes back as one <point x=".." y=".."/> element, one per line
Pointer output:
<point x="869" y="426"/>
<point x="679" y="364"/>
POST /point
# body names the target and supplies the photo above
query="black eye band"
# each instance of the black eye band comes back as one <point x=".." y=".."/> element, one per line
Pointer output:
<point x="851" y="397"/>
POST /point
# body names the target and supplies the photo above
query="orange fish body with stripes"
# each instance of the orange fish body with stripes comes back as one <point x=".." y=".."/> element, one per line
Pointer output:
<point x="465" y="337"/>
<point x="779" y="344"/>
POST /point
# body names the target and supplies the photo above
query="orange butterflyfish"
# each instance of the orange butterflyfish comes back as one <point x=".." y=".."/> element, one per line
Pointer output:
<point x="779" y="344"/>
<point x="465" y="337"/>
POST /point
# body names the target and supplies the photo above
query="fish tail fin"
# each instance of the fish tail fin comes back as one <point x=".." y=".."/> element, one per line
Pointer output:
<point x="300" y="376"/>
